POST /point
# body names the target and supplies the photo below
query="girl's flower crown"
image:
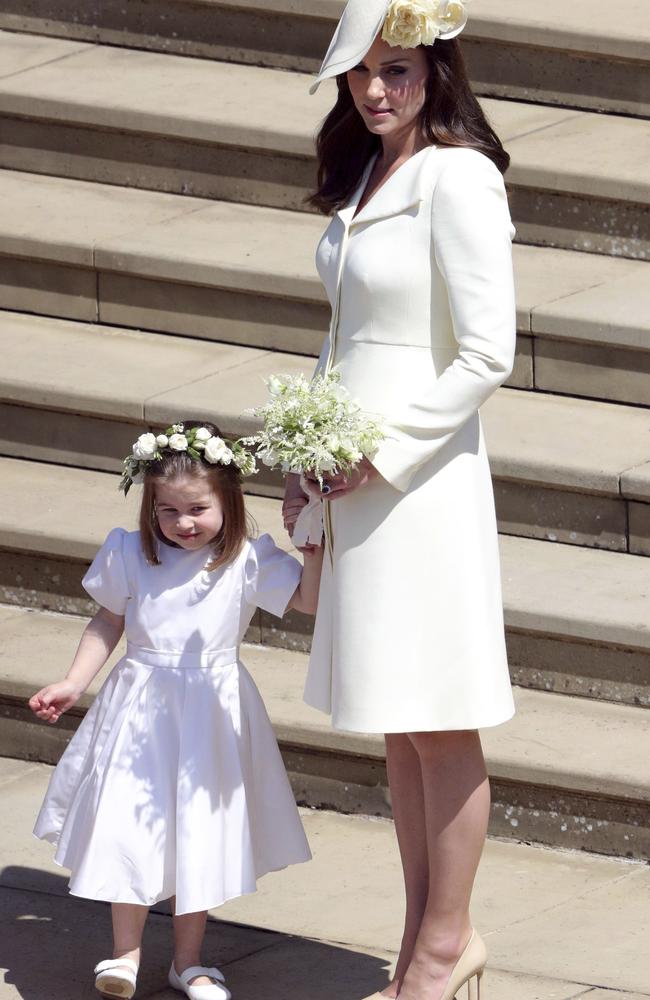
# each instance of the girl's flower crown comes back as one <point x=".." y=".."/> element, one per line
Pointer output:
<point x="198" y="442"/>
<point x="410" y="23"/>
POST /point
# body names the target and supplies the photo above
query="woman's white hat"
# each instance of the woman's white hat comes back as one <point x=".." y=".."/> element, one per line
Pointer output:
<point x="361" y="22"/>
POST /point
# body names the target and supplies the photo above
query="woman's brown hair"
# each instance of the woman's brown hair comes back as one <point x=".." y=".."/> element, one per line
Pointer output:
<point x="451" y="116"/>
<point x="225" y="481"/>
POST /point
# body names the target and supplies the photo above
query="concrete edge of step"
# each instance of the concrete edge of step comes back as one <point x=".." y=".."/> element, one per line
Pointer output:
<point x="308" y="739"/>
<point x="567" y="615"/>
<point x="587" y="302"/>
<point x="593" y="178"/>
<point x="583" y="35"/>
<point x="552" y="468"/>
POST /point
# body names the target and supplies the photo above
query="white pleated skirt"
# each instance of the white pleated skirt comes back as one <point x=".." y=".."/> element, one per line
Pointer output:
<point x="173" y="785"/>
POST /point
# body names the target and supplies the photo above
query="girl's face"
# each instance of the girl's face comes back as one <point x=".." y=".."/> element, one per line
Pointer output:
<point x="389" y="87"/>
<point x="189" y="513"/>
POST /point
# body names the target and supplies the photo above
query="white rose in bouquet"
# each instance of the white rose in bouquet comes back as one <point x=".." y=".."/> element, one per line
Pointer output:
<point x="314" y="426"/>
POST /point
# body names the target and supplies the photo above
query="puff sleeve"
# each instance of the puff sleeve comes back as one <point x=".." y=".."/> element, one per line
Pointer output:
<point x="472" y="249"/>
<point x="270" y="576"/>
<point x="106" y="580"/>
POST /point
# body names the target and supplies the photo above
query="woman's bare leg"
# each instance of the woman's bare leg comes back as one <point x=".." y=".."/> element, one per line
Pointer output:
<point x="457" y="806"/>
<point x="407" y="796"/>
<point x="189" y="931"/>
<point x="128" y="927"/>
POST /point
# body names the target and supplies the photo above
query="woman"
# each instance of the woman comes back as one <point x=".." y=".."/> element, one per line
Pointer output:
<point x="409" y="636"/>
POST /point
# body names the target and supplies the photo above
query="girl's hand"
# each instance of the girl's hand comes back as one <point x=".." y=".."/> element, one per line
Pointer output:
<point x="294" y="501"/>
<point x="52" y="701"/>
<point x="341" y="485"/>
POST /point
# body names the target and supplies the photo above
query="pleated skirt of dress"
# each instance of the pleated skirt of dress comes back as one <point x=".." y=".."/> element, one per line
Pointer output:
<point x="172" y="786"/>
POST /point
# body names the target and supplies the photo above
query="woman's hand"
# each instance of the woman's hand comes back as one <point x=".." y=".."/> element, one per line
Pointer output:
<point x="341" y="485"/>
<point x="52" y="701"/>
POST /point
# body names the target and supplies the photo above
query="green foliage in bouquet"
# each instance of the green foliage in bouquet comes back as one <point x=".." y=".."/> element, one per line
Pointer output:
<point x="313" y="426"/>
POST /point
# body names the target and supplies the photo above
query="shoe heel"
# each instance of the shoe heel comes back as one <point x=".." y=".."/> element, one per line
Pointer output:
<point x="474" y="988"/>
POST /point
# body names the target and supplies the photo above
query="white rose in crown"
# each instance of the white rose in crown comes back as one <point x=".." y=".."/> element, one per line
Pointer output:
<point x="162" y="441"/>
<point x="145" y="447"/>
<point x="217" y="452"/>
<point x="410" y="23"/>
<point x="178" y="442"/>
<point x="201" y="436"/>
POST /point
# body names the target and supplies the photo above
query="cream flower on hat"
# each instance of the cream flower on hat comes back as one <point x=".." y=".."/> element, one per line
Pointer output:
<point x="410" y="23"/>
<point x="453" y="16"/>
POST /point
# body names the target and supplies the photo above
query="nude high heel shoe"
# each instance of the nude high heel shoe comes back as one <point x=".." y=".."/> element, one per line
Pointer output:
<point x="468" y="971"/>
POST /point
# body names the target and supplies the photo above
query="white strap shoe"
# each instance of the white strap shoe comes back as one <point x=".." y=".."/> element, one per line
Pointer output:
<point x="116" y="977"/>
<point x="215" y="991"/>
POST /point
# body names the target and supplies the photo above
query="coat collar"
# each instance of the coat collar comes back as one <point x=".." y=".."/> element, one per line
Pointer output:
<point x="400" y="192"/>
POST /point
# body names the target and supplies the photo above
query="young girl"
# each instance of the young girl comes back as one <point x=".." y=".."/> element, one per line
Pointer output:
<point x="173" y="786"/>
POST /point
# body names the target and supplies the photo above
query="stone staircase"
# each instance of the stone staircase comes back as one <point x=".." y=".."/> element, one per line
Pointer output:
<point x="156" y="259"/>
<point x="582" y="55"/>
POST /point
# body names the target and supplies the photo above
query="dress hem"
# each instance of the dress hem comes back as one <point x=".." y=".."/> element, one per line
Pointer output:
<point x="419" y="726"/>
<point x="248" y="891"/>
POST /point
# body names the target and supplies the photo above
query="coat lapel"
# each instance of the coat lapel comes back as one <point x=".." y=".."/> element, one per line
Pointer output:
<point x="399" y="193"/>
<point x="347" y="212"/>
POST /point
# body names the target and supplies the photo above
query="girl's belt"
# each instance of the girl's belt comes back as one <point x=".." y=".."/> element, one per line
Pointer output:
<point x="182" y="659"/>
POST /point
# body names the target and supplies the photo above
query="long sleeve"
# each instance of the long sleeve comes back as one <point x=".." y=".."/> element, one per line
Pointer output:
<point x="472" y="248"/>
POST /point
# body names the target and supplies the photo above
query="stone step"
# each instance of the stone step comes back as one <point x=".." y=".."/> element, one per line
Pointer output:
<point x="564" y="771"/>
<point x="190" y="266"/>
<point x="245" y="133"/>
<point x="568" y="470"/>
<point x="576" y="618"/>
<point x="570" y="54"/>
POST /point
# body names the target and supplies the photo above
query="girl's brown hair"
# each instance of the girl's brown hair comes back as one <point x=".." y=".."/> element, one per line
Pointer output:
<point x="225" y="481"/>
<point x="451" y="116"/>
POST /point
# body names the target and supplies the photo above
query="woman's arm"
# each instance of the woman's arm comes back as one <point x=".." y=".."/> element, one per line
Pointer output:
<point x="472" y="246"/>
<point x="99" y="639"/>
<point x="305" y="598"/>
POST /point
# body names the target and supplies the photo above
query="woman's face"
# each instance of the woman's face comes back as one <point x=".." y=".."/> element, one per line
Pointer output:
<point x="389" y="87"/>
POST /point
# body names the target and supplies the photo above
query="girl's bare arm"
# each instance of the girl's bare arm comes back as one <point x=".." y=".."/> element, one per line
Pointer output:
<point x="305" y="598"/>
<point x="99" y="639"/>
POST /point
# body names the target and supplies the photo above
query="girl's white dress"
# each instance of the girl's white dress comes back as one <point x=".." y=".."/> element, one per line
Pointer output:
<point x="174" y="784"/>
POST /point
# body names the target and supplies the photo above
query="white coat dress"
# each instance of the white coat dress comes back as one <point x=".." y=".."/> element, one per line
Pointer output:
<point x="174" y="784"/>
<point x="409" y="634"/>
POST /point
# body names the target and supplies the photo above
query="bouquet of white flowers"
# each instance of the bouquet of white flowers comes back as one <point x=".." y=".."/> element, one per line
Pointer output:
<point x="313" y="426"/>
